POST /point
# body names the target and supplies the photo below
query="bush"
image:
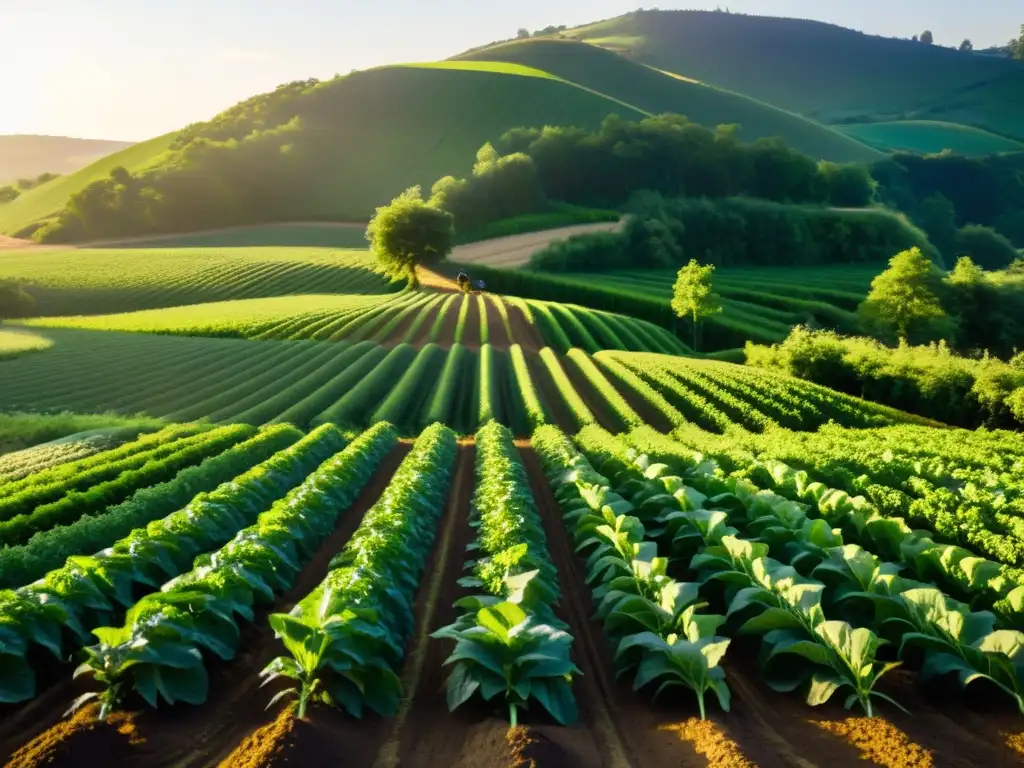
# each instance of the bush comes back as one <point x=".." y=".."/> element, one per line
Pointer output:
<point x="988" y="248"/>
<point x="929" y="380"/>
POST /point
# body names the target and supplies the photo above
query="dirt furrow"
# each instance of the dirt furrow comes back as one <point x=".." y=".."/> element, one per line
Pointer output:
<point x="495" y="327"/>
<point x="471" y="331"/>
<point x="594" y="400"/>
<point x="425" y="734"/>
<point x="524" y="333"/>
<point x="549" y="394"/>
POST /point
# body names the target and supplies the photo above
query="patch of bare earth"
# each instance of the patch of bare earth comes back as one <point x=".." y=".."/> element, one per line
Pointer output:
<point x="516" y="250"/>
<point x="879" y="741"/>
<point x="710" y="740"/>
<point x="65" y="743"/>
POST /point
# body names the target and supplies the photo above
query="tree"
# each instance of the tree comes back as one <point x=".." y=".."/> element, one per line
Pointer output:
<point x="987" y="247"/>
<point x="523" y="33"/>
<point x="693" y="295"/>
<point x="410" y="232"/>
<point x="9" y="193"/>
<point x="1017" y="46"/>
<point x="937" y="217"/>
<point x="914" y="38"/>
<point x="905" y="297"/>
<point x="966" y="46"/>
<point x="927" y="37"/>
<point x="15" y="301"/>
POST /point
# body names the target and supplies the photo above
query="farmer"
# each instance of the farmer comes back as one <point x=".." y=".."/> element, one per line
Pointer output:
<point x="463" y="280"/>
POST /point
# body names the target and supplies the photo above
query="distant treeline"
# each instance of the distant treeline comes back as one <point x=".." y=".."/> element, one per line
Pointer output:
<point x="665" y="233"/>
<point x="11" y="192"/>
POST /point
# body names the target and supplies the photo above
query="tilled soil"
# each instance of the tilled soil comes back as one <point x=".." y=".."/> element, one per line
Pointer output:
<point x="618" y="728"/>
<point x="524" y="333"/>
<point x="594" y="400"/>
<point x="549" y="394"/>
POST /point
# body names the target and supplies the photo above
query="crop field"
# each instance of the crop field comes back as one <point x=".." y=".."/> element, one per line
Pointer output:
<point x="14" y="343"/>
<point x="674" y="592"/>
<point x="929" y="137"/>
<point x="89" y="281"/>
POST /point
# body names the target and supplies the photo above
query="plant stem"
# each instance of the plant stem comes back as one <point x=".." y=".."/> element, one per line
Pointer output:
<point x="303" y="699"/>
<point x="700" y="702"/>
<point x="513" y="715"/>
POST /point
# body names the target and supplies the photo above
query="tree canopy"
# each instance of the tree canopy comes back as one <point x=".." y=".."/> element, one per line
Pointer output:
<point x="905" y="298"/>
<point x="15" y="301"/>
<point x="409" y="232"/>
<point x="693" y="295"/>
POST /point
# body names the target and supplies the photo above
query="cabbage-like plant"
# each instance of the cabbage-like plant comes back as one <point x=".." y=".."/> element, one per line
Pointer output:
<point x="502" y="649"/>
<point x="688" y="658"/>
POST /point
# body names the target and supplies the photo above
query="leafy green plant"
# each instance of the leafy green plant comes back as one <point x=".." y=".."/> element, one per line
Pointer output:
<point x="158" y="651"/>
<point x="347" y="636"/>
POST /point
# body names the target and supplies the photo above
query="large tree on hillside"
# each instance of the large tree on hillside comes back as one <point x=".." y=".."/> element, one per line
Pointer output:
<point x="693" y="295"/>
<point x="409" y="232"/>
<point x="967" y="46"/>
<point x="927" y="37"/>
<point x="904" y="299"/>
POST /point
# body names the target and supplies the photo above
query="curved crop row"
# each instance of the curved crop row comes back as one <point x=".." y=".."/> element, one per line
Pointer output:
<point x="158" y="651"/>
<point x="346" y="639"/>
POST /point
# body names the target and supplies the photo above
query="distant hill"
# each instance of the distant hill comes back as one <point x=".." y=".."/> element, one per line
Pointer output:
<point x="27" y="156"/>
<point x="822" y="71"/>
<point x="656" y="92"/>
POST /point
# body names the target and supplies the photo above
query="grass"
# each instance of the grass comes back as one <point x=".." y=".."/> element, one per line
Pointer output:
<point x="23" y="430"/>
<point x="655" y="92"/>
<point x="820" y="70"/>
<point x="930" y="137"/>
<point x="87" y="281"/>
<point x="42" y="203"/>
<point x="14" y="343"/>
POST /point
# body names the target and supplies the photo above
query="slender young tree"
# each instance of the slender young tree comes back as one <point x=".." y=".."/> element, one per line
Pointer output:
<point x="409" y="232"/>
<point x="905" y="298"/>
<point x="693" y="295"/>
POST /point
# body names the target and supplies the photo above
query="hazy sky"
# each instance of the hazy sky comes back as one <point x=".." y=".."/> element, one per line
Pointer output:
<point x="133" y="69"/>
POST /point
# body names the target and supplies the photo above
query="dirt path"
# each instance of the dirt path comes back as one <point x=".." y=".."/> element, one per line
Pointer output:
<point x="471" y="331"/>
<point x="516" y="250"/>
<point x="435" y="281"/>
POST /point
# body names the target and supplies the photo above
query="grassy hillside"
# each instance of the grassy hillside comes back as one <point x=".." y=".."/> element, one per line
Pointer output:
<point x="655" y="92"/>
<point x="360" y="139"/>
<point x="816" y="69"/>
<point x="38" y="204"/>
<point x="930" y="136"/>
<point x="27" y="156"/>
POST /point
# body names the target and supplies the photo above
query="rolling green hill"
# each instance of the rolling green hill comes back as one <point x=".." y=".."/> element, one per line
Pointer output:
<point x="656" y="92"/>
<point x="27" y="156"/>
<point x="40" y="203"/>
<point x="930" y="136"/>
<point x="820" y="70"/>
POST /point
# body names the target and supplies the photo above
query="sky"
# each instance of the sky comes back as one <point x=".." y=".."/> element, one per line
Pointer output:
<point x="134" y="69"/>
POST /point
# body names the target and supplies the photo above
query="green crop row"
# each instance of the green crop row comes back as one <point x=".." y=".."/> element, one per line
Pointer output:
<point x="358" y="402"/>
<point x="345" y="640"/>
<point x="581" y="414"/>
<point x="403" y="405"/>
<point x="158" y="651"/>
<point x="49" y="550"/>
<point x="510" y="564"/>
<point x="86" y="591"/>
<point x="161" y="466"/>
<point x="621" y="410"/>
<point x="523" y="383"/>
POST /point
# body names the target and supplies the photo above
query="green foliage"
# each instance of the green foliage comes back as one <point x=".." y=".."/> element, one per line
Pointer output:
<point x="9" y="193"/>
<point x="15" y="301"/>
<point x="905" y="299"/>
<point x="988" y="248"/>
<point x="410" y="232"/>
<point x="346" y="638"/>
<point x="735" y="232"/>
<point x="693" y="296"/>
<point x="508" y="640"/>
<point x="158" y="652"/>
<point x="85" y="592"/>
<point x="929" y="380"/>
<point x="19" y="431"/>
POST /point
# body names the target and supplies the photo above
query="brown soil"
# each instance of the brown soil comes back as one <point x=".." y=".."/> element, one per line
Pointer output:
<point x="424" y="733"/>
<point x="1014" y="741"/>
<point x="435" y="281"/>
<point x="397" y="334"/>
<point x="710" y="741"/>
<point x="471" y="331"/>
<point x="529" y="749"/>
<point x="549" y="395"/>
<point x="516" y="250"/>
<point x="447" y="335"/>
<point x="524" y="333"/>
<point x="879" y="741"/>
<point x="423" y="334"/>
<point x="496" y="328"/>
<point x="82" y="734"/>
<point x="650" y="415"/>
<point x="595" y="400"/>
